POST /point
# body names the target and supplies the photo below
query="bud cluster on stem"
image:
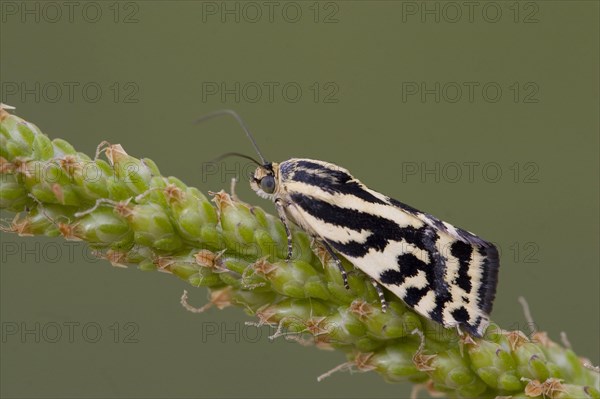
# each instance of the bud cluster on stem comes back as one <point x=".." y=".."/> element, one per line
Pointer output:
<point x="130" y="214"/>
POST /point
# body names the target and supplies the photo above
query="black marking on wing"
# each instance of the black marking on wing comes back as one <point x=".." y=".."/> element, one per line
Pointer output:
<point x="438" y="263"/>
<point x="414" y="295"/>
<point x="462" y="251"/>
<point x="308" y="164"/>
<point x="328" y="179"/>
<point x="409" y="266"/>
<point x="407" y="208"/>
<point x="461" y="234"/>
<point x="489" y="278"/>
<point x="383" y="231"/>
<point x="394" y="276"/>
<point x="461" y="315"/>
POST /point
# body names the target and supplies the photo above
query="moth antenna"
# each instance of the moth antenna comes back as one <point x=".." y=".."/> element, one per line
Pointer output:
<point x="236" y="154"/>
<point x="242" y="124"/>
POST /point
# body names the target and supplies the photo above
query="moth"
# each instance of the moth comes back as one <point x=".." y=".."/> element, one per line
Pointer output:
<point x="444" y="273"/>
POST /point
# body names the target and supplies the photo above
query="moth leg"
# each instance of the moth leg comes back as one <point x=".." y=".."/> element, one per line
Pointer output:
<point x="338" y="262"/>
<point x="379" y="290"/>
<point x="281" y="212"/>
<point x="234" y="181"/>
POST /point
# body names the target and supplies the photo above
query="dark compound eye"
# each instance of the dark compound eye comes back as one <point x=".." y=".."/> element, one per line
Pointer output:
<point x="267" y="184"/>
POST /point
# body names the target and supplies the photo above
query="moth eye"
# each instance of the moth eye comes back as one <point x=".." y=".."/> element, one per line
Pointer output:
<point x="267" y="184"/>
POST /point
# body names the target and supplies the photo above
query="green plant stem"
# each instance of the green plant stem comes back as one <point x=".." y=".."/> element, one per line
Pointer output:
<point x="128" y="213"/>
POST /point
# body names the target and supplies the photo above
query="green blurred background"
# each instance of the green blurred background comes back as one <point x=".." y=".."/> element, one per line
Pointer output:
<point x="484" y="115"/>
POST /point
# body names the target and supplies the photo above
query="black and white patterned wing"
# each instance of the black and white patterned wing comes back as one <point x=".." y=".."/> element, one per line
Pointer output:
<point x="445" y="273"/>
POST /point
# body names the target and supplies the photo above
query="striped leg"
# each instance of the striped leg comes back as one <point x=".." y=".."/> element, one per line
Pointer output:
<point x="380" y="294"/>
<point x="337" y="261"/>
<point x="283" y="217"/>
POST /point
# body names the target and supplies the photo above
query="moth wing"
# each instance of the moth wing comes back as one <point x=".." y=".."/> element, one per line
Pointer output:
<point x="471" y="264"/>
<point x="443" y="272"/>
<point x="455" y="232"/>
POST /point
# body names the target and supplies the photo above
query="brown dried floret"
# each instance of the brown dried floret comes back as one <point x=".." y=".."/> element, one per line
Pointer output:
<point x="206" y="258"/>
<point x="70" y="164"/>
<point x="173" y="193"/>
<point x="317" y="326"/>
<point x="115" y="153"/>
<point x="221" y="199"/>
<point x="5" y="166"/>
<point x="516" y="339"/>
<point x="164" y="263"/>
<point x="123" y="208"/>
<point x="116" y="258"/>
<point x="361" y="308"/>
<point x="69" y="231"/>
<point x="422" y="361"/>
<point x="21" y="226"/>
<point x="221" y="298"/>
<point x="264" y="267"/>
<point x="548" y="389"/>
<point x="21" y="165"/>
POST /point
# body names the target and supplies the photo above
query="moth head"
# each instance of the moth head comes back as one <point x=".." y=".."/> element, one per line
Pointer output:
<point x="265" y="180"/>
